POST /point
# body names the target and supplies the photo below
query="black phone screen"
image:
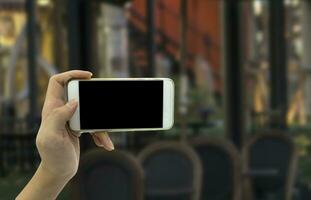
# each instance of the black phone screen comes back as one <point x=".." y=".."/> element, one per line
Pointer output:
<point x="121" y="104"/>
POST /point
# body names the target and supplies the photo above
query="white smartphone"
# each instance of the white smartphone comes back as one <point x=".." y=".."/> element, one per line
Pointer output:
<point x="126" y="104"/>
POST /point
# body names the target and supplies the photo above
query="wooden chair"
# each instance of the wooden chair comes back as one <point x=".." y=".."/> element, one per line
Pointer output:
<point x="221" y="168"/>
<point x="172" y="170"/>
<point x="270" y="161"/>
<point x="113" y="175"/>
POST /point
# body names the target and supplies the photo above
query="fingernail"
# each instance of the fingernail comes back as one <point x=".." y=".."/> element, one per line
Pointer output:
<point x="72" y="103"/>
<point x="108" y="142"/>
<point x="91" y="74"/>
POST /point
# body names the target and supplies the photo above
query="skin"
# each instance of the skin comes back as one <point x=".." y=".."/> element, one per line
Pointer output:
<point x="58" y="147"/>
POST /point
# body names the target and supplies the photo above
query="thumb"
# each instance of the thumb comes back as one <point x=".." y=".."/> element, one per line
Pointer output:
<point x="64" y="113"/>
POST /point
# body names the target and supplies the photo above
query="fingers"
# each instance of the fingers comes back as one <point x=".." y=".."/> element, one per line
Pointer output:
<point x="58" y="81"/>
<point x="63" y="114"/>
<point x="103" y="140"/>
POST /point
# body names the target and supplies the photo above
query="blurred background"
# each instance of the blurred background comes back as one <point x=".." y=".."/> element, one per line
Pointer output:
<point x="243" y="94"/>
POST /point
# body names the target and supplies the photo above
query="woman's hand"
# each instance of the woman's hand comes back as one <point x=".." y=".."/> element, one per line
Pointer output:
<point x="58" y="147"/>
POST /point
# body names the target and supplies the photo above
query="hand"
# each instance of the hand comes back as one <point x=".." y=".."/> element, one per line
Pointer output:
<point x="58" y="147"/>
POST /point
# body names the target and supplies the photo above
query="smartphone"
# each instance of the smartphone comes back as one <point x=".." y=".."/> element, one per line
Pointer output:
<point x="127" y="104"/>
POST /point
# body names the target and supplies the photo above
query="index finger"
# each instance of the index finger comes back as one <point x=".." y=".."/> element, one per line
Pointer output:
<point x="57" y="82"/>
<point x="102" y="139"/>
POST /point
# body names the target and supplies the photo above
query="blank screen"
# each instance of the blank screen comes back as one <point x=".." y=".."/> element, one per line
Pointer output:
<point x="121" y="104"/>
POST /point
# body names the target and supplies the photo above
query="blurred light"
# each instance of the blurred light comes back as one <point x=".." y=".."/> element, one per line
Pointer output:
<point x="299" y="46"/>
<point x="128" y="5"/>
<point x="297" y="28"/>
<point x="259" y="36"/>
<point x="257" y="6"/>
<point x="44" y="2"/>
<point x="295" y="3"/>
<point x="292" y="3"/>
<point x="107" y="29"/>
<point x="287" y="2"/>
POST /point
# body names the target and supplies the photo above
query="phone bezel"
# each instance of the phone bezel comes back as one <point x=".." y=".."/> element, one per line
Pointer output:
<point x="168" y="104"/>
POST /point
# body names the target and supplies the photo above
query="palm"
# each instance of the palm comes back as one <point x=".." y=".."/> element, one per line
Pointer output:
<point x="63" y="149"/>
<point x="64" y="145"/>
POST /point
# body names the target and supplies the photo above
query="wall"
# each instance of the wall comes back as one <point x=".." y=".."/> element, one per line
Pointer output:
<point x="204" y="22"/>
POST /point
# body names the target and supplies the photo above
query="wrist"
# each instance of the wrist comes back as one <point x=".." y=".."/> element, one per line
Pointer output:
<point x="51" y="176"/>
<point x="43" y="185"/>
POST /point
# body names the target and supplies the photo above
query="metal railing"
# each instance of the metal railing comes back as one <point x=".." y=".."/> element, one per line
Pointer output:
<point x="17" y="146"/>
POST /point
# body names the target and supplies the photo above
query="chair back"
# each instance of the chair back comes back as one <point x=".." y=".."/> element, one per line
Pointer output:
<point x="270" y="164"/>
<point x="113" y="175"/>
<point x="221" y="168"/>
<point x="172" y="170"/>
